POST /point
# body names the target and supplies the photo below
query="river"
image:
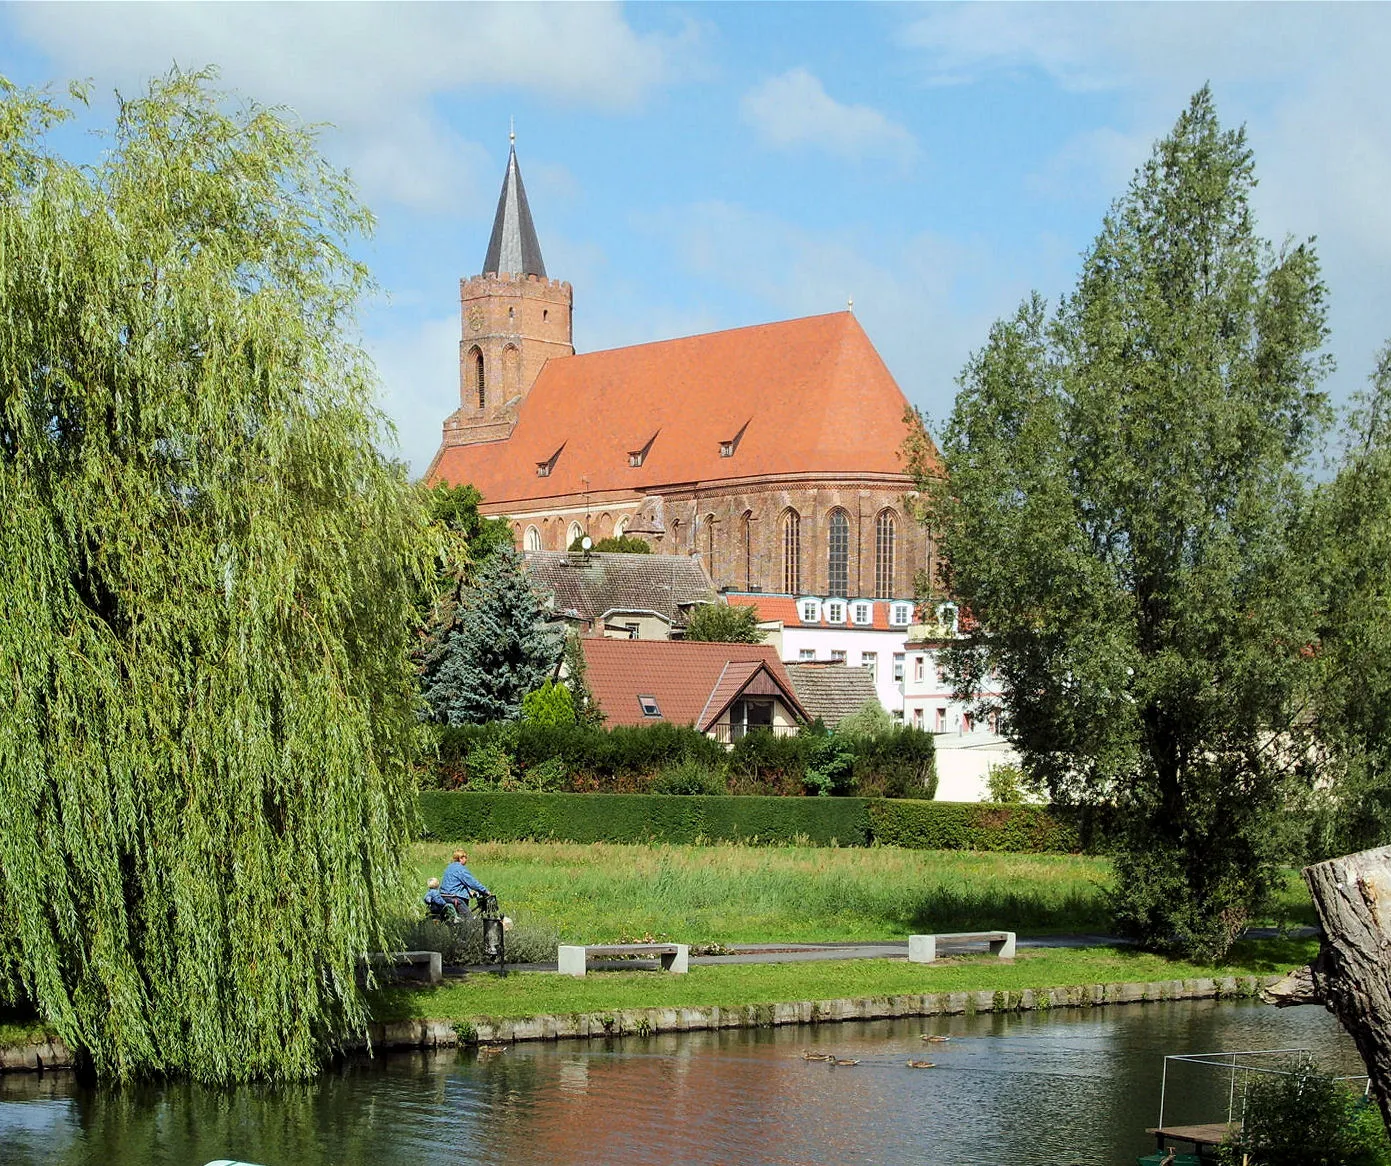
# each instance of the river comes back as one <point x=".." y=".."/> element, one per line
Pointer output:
<point x="1071" y="1086"/>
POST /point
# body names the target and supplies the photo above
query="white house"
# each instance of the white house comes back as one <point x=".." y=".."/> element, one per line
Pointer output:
<point x="966" y="733"/>
<point x="863" y="633"/>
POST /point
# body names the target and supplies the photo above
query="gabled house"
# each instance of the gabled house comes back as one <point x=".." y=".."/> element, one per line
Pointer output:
<point x="631" y="597"/>
<point x="831" y="690"/>
<point x="722" y="690"/>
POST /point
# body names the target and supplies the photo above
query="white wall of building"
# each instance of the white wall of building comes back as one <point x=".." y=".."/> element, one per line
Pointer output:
<point x="967" y="740"/>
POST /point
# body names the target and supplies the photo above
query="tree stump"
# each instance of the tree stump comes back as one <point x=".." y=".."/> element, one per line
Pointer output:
<point x="1351" y="976"/>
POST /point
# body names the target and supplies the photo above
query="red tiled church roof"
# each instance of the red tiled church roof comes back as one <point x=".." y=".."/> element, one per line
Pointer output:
<point x="692" y="682"/>
<point x="799" y="396"/>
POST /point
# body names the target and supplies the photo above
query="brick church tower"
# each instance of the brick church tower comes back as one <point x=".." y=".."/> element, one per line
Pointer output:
<point x="513" y="319"/>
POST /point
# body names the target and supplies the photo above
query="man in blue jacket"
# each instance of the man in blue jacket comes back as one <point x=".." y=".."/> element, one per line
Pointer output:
<point x="458" y="883"/>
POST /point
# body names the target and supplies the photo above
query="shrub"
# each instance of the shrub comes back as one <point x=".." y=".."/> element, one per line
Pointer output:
<point x="462" y="943"/>
<point x="720" y="623"/>
<point x="689" y="776"/>
<point x="900" y="765"/>
<point x="922" y="825"/>
<point x="551" y="704"/>
<point x="1307" y="1118"/>
<point x="1006" y="784"/>
<point x="451" y="816"/>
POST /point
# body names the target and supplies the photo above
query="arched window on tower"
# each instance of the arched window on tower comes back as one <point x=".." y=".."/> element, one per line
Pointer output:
<point x="532" y="541"/>
<point x="511" y="372"/>
<point x="479" y="385"/>
<point x="792" y="552"/>
<point x="884" y="555"/>
<point x="746" y="546"/>
<point x="838" y="554"/>
<point x="710" y="546"/>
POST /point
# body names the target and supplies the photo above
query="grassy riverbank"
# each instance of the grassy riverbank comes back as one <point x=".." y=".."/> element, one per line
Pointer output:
<point x="538" y="993"/>
<point x="746" y="894"/>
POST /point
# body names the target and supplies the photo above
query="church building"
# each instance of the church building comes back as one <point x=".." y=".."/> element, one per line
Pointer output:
<point x="772" y="452"/>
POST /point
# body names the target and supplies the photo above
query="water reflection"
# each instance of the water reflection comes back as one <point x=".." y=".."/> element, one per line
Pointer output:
<point x="1071" y="1086"/>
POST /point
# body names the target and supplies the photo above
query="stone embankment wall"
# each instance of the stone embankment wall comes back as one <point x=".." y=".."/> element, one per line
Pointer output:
<point x="415" y="1034"/>
<point x="645" y="1021"/>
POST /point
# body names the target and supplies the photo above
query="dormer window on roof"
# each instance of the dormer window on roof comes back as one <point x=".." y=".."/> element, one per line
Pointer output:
<point x="901" y="614"/>
<point x="862" y="612"/>
<point x="727" y="448"/>
<point x="809" y="610"/>
<point x="637" y="456"/>
<point x="543" y="469"/>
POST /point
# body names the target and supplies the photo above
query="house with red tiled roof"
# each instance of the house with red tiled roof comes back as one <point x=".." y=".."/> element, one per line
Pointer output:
<point x="723" y="690"/>
<point x="771" y="452"/>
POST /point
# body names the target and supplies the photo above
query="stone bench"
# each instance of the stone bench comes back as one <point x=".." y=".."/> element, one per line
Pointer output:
<point x="571" y="960"/>
<point x="922" y="949"/>
<point x="424" y="967"/>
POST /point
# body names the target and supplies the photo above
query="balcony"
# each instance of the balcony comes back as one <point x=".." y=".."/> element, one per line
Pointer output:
<point x="728" y="734"/>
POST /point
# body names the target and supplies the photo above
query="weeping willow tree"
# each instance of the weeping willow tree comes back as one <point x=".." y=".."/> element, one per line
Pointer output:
<point x="206" y="584"/>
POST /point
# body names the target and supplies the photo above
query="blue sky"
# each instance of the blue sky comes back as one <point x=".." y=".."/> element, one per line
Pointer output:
<point x="701" y="166"/>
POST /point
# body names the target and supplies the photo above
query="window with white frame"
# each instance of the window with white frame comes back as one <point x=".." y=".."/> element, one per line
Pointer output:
<point x="917" y="718"/>
<point x="941" y="720"/>
<point x="838" y="655"/>
<point x="870" y="660"/>
<point x="901" y="614"/>
<point x="862" y="612"/>
<point x="809" y="610"/>
<point x="835" y="611"/>
<point x="806" y="653"/>
<point x="898" y="666"/>
<point x="918" y="668"/>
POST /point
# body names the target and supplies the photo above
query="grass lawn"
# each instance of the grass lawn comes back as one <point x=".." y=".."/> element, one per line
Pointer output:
<point x="606" y="892"/>
<point x="536" y="993"/>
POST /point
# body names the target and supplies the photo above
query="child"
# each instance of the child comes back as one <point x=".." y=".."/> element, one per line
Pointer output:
<point x="439" y="906"/>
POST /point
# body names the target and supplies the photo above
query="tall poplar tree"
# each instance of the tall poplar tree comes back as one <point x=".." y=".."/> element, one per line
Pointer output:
<point x="1123" y="479"/>
<point x="207" y="576"/>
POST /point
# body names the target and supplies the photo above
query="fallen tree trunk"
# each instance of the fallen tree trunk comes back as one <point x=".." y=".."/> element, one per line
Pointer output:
<point x="1351" y="976"/>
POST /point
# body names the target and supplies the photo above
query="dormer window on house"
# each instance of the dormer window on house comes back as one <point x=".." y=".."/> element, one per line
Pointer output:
<point x="543" y="469"/>
<point x="649" y="707"/>
<point x="835" y="611"/>
<point x="727" y="448"/>
<point x="809" y="610"/>
<point x="637" y="456"/>
<point x="862" y="612"/>
<point x="901" y="614"/>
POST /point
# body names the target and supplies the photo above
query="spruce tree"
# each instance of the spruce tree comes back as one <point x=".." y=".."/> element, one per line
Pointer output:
<point x="207" y="580"/>
<point x="497" y="648"/>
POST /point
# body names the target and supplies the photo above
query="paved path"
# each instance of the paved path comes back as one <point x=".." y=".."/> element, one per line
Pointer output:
<point x="791" y="953"/>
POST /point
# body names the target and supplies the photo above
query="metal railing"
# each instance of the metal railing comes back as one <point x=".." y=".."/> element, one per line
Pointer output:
<point x="728" y="734"/>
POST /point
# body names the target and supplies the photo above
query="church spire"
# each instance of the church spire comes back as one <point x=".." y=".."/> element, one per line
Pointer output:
<point x="513" y="248"/>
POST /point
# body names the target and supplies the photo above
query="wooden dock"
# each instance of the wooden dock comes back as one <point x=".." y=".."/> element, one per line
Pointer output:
<point x="1211" y="1134"/>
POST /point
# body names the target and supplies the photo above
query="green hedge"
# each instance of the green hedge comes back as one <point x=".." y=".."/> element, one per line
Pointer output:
<point x="452" y="816"/>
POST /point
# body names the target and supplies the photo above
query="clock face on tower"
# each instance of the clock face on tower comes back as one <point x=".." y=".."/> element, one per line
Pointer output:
<point x="475" y="319"/>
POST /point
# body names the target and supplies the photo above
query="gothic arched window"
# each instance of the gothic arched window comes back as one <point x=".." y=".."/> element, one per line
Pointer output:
<point x="838" y="554"/>
<point x="710" y="545"/>
<point x="884" y="555"/>
<point x="792" y="552"/>
<point x="746" y="545"/>
<point x="479" y="385"/>
<point x="532" y="541"/>
<point x="576" y="533"/>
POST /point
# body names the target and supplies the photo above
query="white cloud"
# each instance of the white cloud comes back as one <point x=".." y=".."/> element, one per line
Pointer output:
<point x="794" y="109"/>
<point x="373" y="70"/>
<point x="1307" y="81"/>
<point x="418" y="364"/>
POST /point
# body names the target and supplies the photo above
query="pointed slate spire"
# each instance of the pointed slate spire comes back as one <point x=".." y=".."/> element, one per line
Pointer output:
<point x="513" y="247"/>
